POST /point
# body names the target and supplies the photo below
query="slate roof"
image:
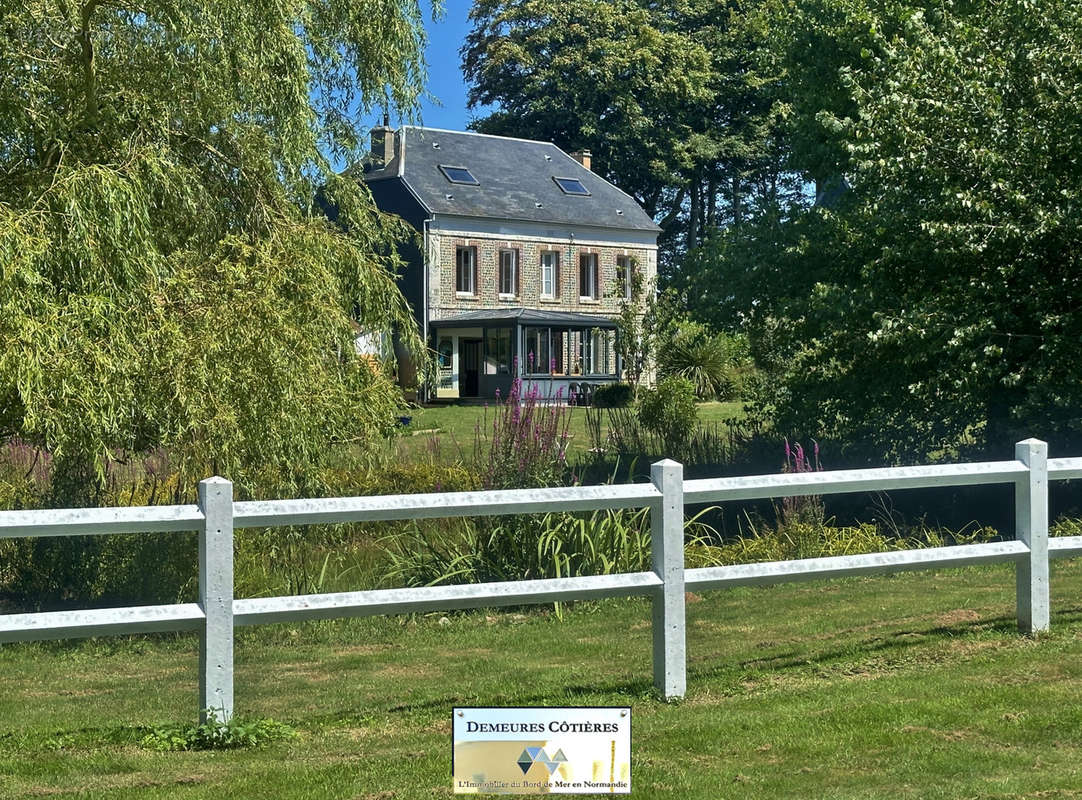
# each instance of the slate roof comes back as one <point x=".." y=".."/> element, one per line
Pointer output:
<point x="515" y="178"/>
<point x="526" y="316"/>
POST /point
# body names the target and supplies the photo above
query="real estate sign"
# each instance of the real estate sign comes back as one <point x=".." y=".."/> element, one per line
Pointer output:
<point x="542" y="750"/>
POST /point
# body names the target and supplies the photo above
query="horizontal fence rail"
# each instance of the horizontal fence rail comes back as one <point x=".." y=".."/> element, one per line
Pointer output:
<point x="101" y="622"/>
<point x="216" y="516"/>
<point x="1064" y="468"/>
<point x="793" y="484"/>
<point x="99" y="521"/>
<point x="1065" y="547"/>
<point x="810" y="569"/>
<point x="265" y="513"/>
<point x="439" y="598"/>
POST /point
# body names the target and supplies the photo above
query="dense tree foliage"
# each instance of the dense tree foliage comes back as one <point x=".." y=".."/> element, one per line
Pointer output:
<point x="668" y="97"/>
<point x="928" y="303"/>
<point x="164" y="278"/>
<point x="936" y="304"/>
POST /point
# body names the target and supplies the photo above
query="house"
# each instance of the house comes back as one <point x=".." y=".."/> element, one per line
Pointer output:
<point x="525" y="257"/>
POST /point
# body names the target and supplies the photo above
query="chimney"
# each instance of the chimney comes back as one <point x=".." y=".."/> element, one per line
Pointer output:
<point x="583" y="157"/>
<point x="382" y="145"/>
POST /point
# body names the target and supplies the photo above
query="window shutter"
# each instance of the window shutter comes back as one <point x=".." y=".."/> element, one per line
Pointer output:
<point x="518" y="272"/>
<point x="597" y="277"/>
<point x="556" y="277"/>
<point x="476" y="285"/>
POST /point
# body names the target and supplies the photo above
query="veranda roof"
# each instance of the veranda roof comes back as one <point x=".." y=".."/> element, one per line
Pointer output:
<point x="524" y="316"/>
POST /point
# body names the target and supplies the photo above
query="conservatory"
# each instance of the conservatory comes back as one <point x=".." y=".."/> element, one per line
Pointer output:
<point x="562" y="355"/>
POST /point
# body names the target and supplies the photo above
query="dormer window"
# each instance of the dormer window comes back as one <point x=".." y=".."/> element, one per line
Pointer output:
<point x="572" y="186"/>
<point x="459" y="175"/>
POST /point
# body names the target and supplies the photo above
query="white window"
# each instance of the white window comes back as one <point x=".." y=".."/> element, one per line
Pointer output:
<point x="594" y="352"/>
<point x="466" y="270"/>
<point x="589" y="282"/>
<point x="508" y="273"/>
<point x="550" y="273"/>
<point x="539" y="357"/>
<point x="624" y="276"/>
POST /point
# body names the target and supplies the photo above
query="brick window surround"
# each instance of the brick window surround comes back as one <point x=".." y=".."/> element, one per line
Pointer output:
<point x="589" y="277"/>
<point x="508" y="261"/>
<point x="550" y="274"/>
<point x="466" y="270"/>
<point x="624" y="276"/>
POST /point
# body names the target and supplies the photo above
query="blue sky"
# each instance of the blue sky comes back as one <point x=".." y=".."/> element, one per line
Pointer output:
<point x="445" y="69"/>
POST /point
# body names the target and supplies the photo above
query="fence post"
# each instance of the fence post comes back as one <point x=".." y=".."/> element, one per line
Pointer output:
<point x="216" y="599"/>
<point x="667" y="545"/>
<point x="1031" y="527"/>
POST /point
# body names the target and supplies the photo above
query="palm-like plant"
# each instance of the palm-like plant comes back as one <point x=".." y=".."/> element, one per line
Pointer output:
<point x="706" y="361"/>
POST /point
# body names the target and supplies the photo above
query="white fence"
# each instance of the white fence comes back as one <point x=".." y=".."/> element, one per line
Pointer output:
<point x="217" y="515"/>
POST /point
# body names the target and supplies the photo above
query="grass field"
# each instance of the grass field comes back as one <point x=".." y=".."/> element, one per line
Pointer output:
<point x="913" y="686"/>
<point x="455" y="426"/>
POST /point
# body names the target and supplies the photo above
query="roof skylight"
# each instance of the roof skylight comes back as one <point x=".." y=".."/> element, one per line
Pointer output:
<point x="459" y="175"/>
<point x="572" y="186"/>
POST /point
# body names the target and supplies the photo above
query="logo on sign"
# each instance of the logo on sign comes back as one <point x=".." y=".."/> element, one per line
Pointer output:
<point x="534" y="755"/>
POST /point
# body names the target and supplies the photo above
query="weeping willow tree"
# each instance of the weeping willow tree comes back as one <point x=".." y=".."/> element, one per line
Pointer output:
<point x="166" y="279"/>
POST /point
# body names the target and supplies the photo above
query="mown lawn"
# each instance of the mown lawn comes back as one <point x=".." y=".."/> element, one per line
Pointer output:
<point x="910" y="686"/>
<point x="455" y="426"/>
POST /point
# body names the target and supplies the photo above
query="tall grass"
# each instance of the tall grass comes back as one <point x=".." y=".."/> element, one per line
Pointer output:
<point x="561" y="545"/>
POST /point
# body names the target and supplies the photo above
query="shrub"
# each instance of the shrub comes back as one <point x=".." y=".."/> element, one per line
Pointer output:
<point x="804" y="540"/>
<point x="133" y="568"/>
<point x="669" y="412"/>
<point x="526" y="444"/>
<point x="702" y="361"/>
<point x="797" y="540"/>
<point x="116" y="569"/>
<point x="613" y="395"/>
<point x="1066" y="526"/>
<point x="716" y="364"/>
<point x="311" y="559"/>
<point x="215" y="735"/>
<point x="410" y="477"/>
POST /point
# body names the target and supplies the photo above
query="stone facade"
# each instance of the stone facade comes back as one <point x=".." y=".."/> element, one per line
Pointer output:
<point x="444" y="301"/>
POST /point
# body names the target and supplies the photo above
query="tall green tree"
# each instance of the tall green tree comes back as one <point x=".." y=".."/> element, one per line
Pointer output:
<point x="164" y="277"/>
<point x="937" y="305"/>
<point x="667" y="96"/>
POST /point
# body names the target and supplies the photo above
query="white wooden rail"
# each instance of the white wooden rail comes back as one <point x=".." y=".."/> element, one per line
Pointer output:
<point x="217" y="515"/>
